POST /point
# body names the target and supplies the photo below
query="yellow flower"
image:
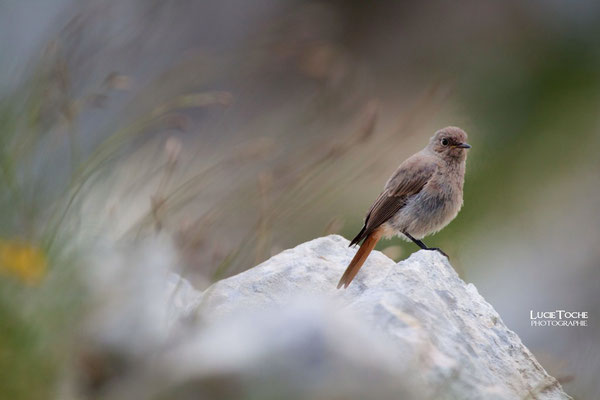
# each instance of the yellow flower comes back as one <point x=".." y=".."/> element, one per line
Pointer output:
<point x="22" y="260"/>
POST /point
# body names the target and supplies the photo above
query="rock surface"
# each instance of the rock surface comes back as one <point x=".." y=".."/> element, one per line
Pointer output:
<point x="412" y="330"/>
<point x="407" y="330"/>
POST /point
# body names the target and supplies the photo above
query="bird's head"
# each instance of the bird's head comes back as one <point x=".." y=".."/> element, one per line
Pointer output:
<point x="450" y="143"/>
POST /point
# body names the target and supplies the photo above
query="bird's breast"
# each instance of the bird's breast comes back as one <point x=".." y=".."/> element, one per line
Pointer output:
<point x="429" y="211"/>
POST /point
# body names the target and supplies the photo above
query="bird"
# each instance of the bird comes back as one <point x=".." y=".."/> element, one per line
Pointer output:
<point x="422" y="196"/>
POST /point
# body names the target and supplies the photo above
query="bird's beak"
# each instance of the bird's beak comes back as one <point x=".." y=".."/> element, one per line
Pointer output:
<point x="463" y="146"/>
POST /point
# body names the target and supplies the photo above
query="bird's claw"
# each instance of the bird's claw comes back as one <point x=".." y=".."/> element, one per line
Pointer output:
<point x="439" y="250"/>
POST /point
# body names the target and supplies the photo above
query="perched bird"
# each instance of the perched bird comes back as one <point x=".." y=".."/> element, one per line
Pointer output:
<point x="420" y="198"/>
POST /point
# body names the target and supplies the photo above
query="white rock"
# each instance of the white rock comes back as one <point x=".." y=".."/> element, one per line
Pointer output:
<point x="412" y="331"/>
<point x="407" y="330"/>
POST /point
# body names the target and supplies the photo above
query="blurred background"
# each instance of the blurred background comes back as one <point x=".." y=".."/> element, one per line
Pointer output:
<point x="236" y="129"/>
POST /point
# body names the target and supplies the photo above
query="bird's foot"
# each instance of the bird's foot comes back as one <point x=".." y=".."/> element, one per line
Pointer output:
<point x="440" y="250"/>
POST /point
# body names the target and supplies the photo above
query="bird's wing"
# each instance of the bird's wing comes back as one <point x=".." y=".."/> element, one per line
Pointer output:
<point x="408" y="180"/>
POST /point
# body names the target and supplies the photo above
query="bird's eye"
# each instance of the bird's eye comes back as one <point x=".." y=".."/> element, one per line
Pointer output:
<point x="444" y="142"/>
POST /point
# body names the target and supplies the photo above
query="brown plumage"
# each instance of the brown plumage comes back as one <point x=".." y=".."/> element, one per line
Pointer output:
<point x="420" y="198"/>
<point x="359" y="258"/>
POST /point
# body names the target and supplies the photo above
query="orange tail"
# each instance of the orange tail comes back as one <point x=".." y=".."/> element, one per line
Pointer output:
<point x="359" y="258"/>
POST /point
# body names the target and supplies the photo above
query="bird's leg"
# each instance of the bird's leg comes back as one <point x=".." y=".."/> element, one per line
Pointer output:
<point x="424" y="246"/>
<point x="417" y="241"/>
